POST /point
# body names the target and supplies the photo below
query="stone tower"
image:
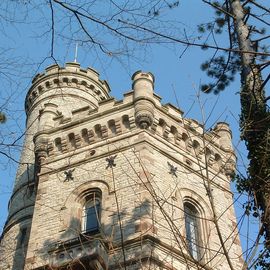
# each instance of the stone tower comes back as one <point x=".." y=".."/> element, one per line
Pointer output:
<point x="106" y="184"/>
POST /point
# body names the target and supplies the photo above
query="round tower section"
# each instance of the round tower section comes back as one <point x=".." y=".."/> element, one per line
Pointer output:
<point x="143" y="87"/>
<point x="58" y="91"/>
<point x="69" y="88"/>
<point x="225" y="135"/>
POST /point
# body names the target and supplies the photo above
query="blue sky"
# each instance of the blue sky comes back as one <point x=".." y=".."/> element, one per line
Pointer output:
<point x="176" y="69"/>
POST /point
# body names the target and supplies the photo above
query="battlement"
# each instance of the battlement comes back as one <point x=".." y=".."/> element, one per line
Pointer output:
<point x="189" y="141"/>
<point x="69" y="67"/>
<point x="70" y="76"/>
<point x="112" y="117"/>
<point x="143" y="75"/>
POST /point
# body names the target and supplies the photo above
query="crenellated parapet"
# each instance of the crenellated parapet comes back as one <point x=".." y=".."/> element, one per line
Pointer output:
<point x="142" y="109"/>
<point x="75" y="139"/>
<point x="114" y="118"/>
<point x="72" y="76"/>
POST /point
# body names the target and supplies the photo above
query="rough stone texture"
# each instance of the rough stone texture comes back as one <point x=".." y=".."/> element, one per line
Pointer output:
<point x="74" y="125"/>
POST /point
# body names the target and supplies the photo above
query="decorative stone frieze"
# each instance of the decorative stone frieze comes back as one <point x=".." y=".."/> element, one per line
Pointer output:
<point x="88" y="136"/>
<point x="56" y="81"/>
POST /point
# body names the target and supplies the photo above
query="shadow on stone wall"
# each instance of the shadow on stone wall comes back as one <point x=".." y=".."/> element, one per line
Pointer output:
<point x="75" y="250"/>
<point x="21" y="239"/>
<point x="20" y="216"/>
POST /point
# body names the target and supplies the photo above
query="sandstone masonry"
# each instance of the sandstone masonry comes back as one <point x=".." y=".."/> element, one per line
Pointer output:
<point x="156" y="180"/>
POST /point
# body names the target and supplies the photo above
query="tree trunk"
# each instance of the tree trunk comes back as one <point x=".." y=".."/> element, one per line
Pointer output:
<point x="255" y="120"/>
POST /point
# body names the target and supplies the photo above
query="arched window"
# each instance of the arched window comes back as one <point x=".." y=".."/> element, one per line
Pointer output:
<point x="192" y="224"/>
<point x="207" y="154"/>
<point x="161" y="126"/>
<point x="174" y="133"/>
<point x="91" y="213"/>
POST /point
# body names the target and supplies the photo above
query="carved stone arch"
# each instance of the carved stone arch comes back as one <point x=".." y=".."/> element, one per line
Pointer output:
<point x="34" y="94"/>
<point x="56" y="81"/>
<point x="208" y="151"/>
<point x="83" y="188"/>
<point x="72" y="140"/>
<point x="209" y="156"/>
<point x="65" y="80"/>
<point x="84" y="83"/>
<point x="174" y="130"/>
<point x="48" y="84"/>
<point x="98" y="131"/>
<point x="187" y="141"/>
<point x="85" y="135"/>
<point x="91" y="86"/>
<point x="162" y="122"/>
<point x="75" y="81"/>
<point x="191" y="198"/>
<point x="185" y="137"/>
<point x="71" y="211"/>
<point x="40" y="89"/>
<point x="58" y="144"/>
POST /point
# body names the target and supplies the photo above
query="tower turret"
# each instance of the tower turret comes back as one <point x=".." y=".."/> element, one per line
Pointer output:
<point x="223" y="130"/>
<point x="143" y="86"/>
